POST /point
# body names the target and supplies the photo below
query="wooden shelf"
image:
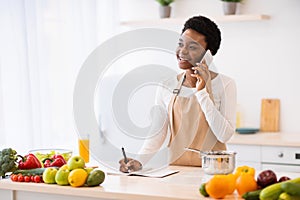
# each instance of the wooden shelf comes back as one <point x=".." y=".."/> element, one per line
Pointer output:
<point x="180" y="21"/>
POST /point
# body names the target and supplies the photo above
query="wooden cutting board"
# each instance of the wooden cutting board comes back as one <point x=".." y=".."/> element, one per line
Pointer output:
<point x="269" y="116"/>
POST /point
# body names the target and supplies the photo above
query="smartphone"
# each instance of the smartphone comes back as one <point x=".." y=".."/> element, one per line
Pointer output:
<point x="207" y="58"/>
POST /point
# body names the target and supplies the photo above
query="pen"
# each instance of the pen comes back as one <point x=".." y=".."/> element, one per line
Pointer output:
<point x="124" y="154"/>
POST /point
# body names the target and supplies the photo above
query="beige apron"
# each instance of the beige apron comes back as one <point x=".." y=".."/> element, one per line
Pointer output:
<point x="189" y="128"/>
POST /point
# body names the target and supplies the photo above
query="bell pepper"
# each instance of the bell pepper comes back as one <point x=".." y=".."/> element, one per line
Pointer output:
<point x="244" y="170"/>
<point x="29" y="161"/>
<point x="54" y="161"/>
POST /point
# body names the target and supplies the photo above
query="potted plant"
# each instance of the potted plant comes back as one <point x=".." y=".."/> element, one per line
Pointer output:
<point x="229" y="6"/>
<point x="164" y="8"/>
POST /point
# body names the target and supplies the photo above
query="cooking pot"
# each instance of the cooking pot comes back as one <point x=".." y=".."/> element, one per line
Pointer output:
<point x="217" y="162"/>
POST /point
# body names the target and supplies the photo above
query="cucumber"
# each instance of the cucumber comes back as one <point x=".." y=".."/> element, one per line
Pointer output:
<point x="291" y="188"/>
<point x="272" y="192"/>
<point x="30" y="172"/>
<point x="253" y="195"/>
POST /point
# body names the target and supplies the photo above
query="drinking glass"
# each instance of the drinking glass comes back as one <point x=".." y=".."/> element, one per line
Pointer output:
<point x="84" y="147"/>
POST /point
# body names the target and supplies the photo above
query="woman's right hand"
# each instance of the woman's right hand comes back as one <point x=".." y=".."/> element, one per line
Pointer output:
<point x="130" y="166"/>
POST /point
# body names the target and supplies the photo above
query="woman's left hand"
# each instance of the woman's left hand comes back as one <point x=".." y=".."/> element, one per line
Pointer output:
<point x="202" y="74"/>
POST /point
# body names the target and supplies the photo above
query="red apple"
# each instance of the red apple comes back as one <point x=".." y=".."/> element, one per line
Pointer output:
<point x="284" y="178"/>
<point x="265" y="178"/>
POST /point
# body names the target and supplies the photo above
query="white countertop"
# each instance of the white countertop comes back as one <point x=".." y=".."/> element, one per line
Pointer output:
<point x="266" y="139"/>
<point x="181" y="186"/>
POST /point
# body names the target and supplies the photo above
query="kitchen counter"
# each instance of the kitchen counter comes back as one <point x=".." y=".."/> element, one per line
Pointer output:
<point x="183" y="185"/>
<point x="266" y="139"/>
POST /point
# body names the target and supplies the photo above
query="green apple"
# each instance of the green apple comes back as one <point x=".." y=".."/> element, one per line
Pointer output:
<point x="76" y="162"/>
<point x="88" y="169"/>
<point x="65" y="166"/>
<point x="61" y="177"/>
<point x="49" y="175"/>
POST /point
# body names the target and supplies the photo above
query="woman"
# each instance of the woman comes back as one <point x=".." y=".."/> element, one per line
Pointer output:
<point x="201" y="108"/>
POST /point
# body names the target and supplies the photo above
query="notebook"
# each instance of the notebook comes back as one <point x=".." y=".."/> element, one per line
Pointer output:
<point x="147" y="172"/>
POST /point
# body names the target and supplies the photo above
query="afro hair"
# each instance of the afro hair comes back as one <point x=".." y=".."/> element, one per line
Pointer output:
<point x="208" y="28"/>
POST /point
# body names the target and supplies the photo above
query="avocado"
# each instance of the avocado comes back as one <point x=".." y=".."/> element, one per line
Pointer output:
<point x="95" y="177"/>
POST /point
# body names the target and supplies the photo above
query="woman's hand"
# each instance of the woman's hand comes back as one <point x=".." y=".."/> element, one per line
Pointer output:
<point x="202" y="74"/>
<point x="131" y="165"/>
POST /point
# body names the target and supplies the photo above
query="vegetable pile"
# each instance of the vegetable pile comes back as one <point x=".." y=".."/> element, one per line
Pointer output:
<point x="11" y="162"/>
<point x="264" y="187"/>
<point x="8" y="161"/>
<point x="52" y="169"/>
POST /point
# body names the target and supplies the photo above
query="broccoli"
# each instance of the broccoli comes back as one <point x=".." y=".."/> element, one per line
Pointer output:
<point x="8" y="161"/>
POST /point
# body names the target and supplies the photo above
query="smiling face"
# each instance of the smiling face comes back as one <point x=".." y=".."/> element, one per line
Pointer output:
<point x="191" y="48"/>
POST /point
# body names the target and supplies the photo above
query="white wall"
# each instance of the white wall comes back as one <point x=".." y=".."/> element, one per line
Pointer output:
<point x="260" y="55"/>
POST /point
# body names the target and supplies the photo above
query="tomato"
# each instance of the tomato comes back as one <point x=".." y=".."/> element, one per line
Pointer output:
<point x="27" y="179"/>
<point x="37" y="179"/>
<point x="20" y="178"/>
<point x="42" y="181"/>
<point x="32" y="178"/>
<point x="14" y="177"/>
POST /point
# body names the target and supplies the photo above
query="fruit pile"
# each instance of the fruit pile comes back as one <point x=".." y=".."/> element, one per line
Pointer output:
<point x="264" y="187"/>
<point x="74" y="173"/>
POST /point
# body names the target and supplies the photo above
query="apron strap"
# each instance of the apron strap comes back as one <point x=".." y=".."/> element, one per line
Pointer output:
<point x="176" y="91"/>
<point x="178" y="87"/>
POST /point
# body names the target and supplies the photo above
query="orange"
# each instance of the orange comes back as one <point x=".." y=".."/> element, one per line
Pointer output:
<point x="245" y="183"/>
<point x="231" y="183"/>
<point x="217" y="186"/>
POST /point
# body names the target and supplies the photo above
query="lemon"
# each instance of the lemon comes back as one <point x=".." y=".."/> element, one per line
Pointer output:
<point x="77" y="177"/>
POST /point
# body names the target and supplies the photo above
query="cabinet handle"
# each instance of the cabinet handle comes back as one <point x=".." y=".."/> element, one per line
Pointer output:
<point x="280" y="155"/>
<point x="297" y="155"/>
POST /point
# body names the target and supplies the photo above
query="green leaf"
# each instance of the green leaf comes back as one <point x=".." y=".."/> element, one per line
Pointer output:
<point x="165" y="2"/>
<point x="237" y="1"/>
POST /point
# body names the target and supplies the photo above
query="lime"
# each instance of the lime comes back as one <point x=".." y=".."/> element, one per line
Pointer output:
<point x="202" y="190"/>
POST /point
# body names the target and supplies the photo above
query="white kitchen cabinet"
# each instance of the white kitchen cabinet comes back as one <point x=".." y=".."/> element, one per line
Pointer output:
<point x="267" y="150"/>
<point x="6" y="194"/>
<point x="247" y="155"/>
<point x="281" y="158"/>
<point x="281" y="155"/>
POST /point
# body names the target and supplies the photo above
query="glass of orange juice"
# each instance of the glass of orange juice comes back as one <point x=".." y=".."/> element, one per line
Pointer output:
<point x="84" y="147"/>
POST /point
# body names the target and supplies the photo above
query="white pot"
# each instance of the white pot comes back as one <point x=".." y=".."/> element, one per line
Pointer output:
<point x="229" y="8"/>
<point x="164" y="11"/>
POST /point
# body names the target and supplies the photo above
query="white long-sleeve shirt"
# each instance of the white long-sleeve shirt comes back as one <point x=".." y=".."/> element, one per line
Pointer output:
<point x="219" y="114"/>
